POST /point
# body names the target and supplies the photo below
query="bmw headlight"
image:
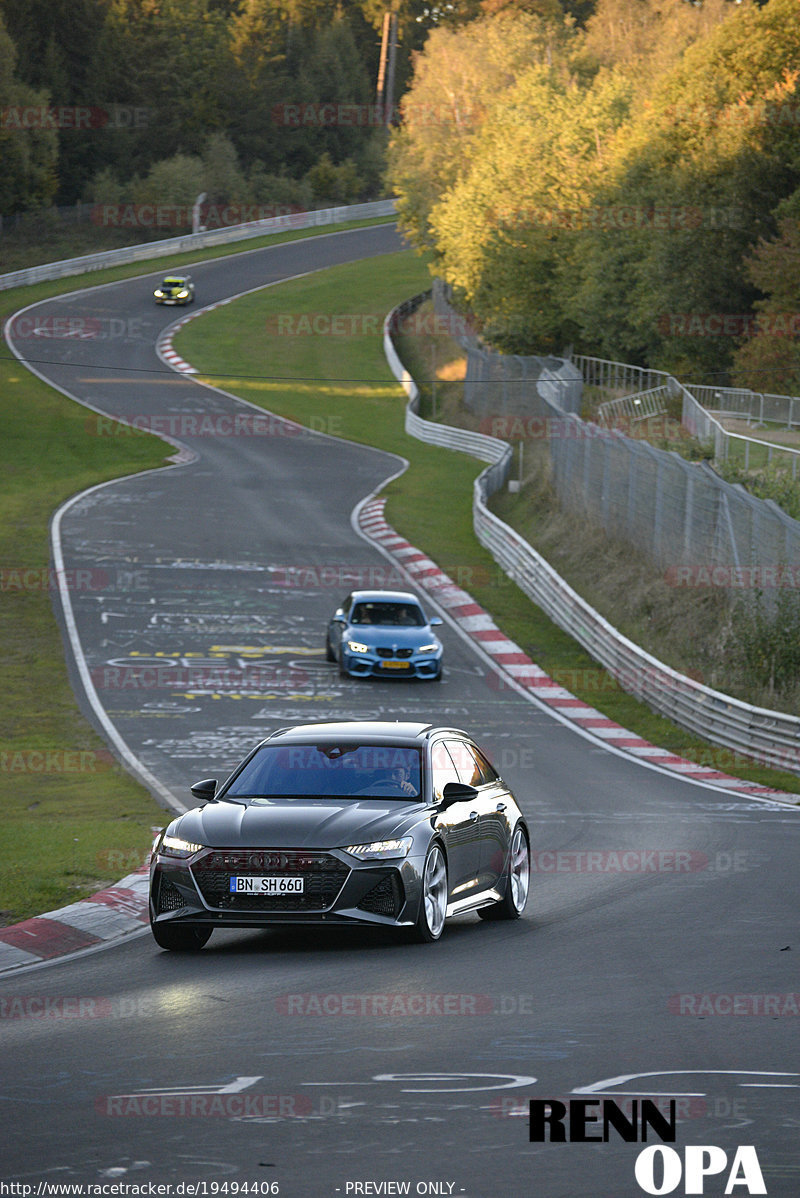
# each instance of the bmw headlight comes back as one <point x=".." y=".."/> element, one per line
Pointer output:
<point x="378" y="850"/>
<point x="183" y="294"/>
<point x="174" y="846"/>
<point x="357" y="647"/>
<point x="158" y="293"/>
<point x="427" y="648"/>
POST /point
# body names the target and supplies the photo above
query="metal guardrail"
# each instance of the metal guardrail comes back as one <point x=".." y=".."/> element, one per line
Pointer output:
<point x="191" y="241"/>
<point x="702" y="405"/>
<point x="478" y="445"/>
<point x="706" y="424"/>
<point x="770" y="737"/>
<point x="631" y="408"/>
<point x="618" y="376"/>
<point x="759" y="406"/>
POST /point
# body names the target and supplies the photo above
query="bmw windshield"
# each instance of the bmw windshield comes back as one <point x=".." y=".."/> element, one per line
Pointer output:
<point x="329" y="771"/>
<point x="396" y="615"/>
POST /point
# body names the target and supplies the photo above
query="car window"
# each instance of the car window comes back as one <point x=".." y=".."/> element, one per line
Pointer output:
<point x="488" y="772"/>
<point x="468" y="769"/>
<point x="346" y="770"/>
<point x="395" y="615"/>
<point x="442" y="769"/>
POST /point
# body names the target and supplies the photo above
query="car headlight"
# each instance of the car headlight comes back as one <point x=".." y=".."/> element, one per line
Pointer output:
<point x="183" y="294"/>
<point x="158" y="294"/>
<point x="357" y="647"/>
<point x="377" y="850"/>
<point x="173" y="846"/>
<point x="427" y="648"/>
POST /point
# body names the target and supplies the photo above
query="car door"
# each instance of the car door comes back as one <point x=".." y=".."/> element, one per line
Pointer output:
<point x="338" y="624"/>
<point x="491" y="805"/>
<point x="459" y="825"/>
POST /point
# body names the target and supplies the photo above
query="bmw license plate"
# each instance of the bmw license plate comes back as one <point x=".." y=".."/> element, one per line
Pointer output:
<point x="395" y="665"/>
<point x="266" y="885"/>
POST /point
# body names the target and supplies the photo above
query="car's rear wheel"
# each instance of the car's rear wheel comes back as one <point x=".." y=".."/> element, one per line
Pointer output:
<point x="433" y="903"/>
<point x="518" y="879"/>
<point x="179" y="939"/>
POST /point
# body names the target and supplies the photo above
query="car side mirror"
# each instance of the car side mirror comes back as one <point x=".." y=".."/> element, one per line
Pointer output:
<point x="434" y="620"/>
<point x="205" y="790"/>
<point x="338" y="618"/>
<point x="456" y="792"/>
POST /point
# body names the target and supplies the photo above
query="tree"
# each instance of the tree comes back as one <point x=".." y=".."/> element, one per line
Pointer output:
<point x="503" y="230"/>
<point x="177" y="180"/>
<point x="769" y="360"/>
<point x="706" y="151"/>
<point x="457" y="78"/>
<point x="29" y="154"/>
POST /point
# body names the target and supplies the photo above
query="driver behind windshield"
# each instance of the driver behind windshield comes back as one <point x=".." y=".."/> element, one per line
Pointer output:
<point x="329" y="771"/>
<point x="400" y="776"/>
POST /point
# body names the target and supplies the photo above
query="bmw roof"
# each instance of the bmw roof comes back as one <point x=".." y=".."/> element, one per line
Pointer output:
<point x="377" y="730"/>
<point x="385" y="597"/>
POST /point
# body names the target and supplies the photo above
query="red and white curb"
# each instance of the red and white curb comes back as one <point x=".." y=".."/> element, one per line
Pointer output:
<point x="164" y="348"/>
<point x="108" y="915"/>
<point x="167" y="353"/>
<point x="479" y="626"/>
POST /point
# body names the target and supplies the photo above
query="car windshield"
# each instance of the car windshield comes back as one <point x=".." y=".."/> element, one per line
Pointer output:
<point x="330" y="771"/>
<point x="394" y="614"/>
<point x="172" y="283"/>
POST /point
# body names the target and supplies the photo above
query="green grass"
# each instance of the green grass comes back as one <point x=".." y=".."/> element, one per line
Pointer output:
<point x="68" y="813"/>
<point x="341" y="384"/>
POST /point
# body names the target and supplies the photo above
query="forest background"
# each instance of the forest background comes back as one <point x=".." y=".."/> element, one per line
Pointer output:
<point x="620" y="177"/>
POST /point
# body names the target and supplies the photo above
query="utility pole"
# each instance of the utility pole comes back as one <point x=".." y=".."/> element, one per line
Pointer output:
<point x="386" y="67"/>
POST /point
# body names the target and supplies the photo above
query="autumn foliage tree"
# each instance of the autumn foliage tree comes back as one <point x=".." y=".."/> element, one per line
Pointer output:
<point x="611" y="194"/>
<point x="769" y="359"/>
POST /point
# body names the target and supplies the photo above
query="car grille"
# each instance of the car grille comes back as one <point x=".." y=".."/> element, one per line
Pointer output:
<point x="323" y="877"/>
<point x="384" y="899"/>
<point x="386" y="651"/>
<point x="169" y="897"/>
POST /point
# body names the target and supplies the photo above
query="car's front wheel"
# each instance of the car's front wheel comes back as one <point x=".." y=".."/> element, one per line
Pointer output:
<point x="433" y="902"/>
<point x="180" y="939"/>
<point x="329" y="653"/>
<point x="518" y="879"/>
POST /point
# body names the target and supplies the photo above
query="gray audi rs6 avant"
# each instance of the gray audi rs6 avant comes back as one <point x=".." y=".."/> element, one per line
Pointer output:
<point x="390" y="824"/>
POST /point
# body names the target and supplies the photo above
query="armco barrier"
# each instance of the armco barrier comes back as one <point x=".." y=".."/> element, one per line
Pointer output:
<point x="770" y="737"/>
<point x="486" y="449"/>
<point x="192" y="241"/>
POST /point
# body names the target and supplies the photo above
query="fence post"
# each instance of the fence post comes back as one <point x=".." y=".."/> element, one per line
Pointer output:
<point x="688" y="512"/>
<point x="658" y="511"/>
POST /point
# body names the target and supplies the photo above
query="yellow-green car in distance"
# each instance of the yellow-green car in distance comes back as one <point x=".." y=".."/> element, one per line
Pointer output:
<point x="175" y="289"/>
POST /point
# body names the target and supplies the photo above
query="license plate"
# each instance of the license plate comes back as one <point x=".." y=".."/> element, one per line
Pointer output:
<point x="396" y="665"/>
<point x="266" y="885"/>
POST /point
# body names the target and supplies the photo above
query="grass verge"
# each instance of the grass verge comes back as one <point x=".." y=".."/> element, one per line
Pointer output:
<point x="72" y="817"/>
<point x="340" y="383"/>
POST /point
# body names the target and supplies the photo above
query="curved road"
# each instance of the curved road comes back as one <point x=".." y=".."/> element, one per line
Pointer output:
<point x="351" y="1064"/>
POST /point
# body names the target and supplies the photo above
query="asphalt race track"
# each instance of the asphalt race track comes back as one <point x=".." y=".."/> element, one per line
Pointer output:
<point x="351" y="1063"/>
